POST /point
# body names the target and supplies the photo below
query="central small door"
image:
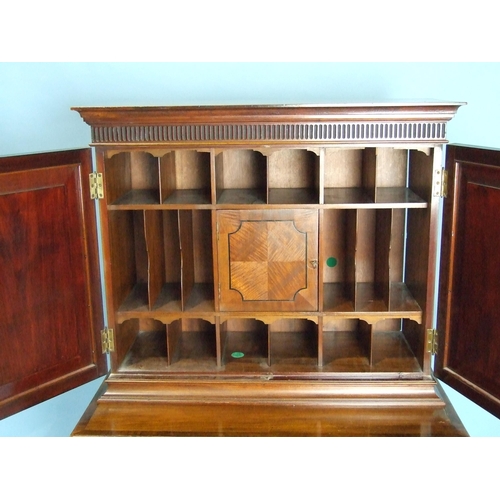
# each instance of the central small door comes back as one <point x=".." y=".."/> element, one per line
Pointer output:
<point x="268" y="260"/>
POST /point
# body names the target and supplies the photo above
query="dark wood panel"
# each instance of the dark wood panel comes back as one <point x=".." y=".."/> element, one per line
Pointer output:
<point x="469" y="319"/>
<point x="50" y="301"/>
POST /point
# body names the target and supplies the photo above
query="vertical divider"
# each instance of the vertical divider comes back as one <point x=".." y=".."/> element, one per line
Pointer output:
<point x="364" y="257"/>
<point x="187" y="255"/>
<point x="320" y="340"/>
<point x="223" y="341"/>
<point x="370" y="172"/>
<point x="158" y="178"/>
<point x="219" y="344"/>
<point x="383" y="235"/>
<point x="351" y="237"/>
<point x="140" y="251"/>
<point x="321" y="261"/>
<point x="166" y="165"/>
<point x="153" y="229"/>
<point x="173" y="332"/>
<point x="268" y="168"/>
<point x="217" y="161"/>
<point x="269" y="345"/>
<point x="321" y="245"/>
<point x="396" y="252"/>
<point x="396" y="256"/>
<point x="215" y="259"/>
<point x="213" y="179"/>
<point x="321" y="173"/>
<point x="171" y="252"/>
<point x="365" y="339"/>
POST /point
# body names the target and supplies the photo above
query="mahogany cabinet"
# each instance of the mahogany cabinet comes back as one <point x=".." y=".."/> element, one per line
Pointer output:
<point x="254" y="254"/>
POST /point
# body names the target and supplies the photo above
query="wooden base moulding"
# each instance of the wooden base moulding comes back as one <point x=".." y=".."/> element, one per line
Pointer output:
<point x="275" y="392"/>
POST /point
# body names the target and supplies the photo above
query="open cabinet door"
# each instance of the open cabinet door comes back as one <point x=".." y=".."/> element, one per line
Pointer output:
<point x="469" y="293"/>
<point x="50" y="293"/>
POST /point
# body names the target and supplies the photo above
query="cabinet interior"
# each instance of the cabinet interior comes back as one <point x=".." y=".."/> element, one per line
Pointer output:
<point x="372" y="207"/>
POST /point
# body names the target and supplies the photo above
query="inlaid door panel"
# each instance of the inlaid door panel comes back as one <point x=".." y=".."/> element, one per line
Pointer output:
<point x="268" y="260"/>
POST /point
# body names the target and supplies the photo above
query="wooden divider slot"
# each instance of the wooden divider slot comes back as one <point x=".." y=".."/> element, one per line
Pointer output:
<point x="354" y="346"/>
<point x="293" y="345"/>
<point x="241" y="177"/>
<point x="293" y="177"/>
<point x="358" y="178"/>
<point x="129" y="260"/>
<point x="244" y="345"/>
<point x="132" y="180"/>
<point x="197" y="277"/>
<point x="191" y="345"/>
<point x="185" y="177"/>
<point x="147" y="341"/>
<point x="362" y="268"/>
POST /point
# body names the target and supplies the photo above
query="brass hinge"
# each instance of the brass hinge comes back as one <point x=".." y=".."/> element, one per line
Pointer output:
<point x="96" y="186"/>
<point x="441" y="183"/>
<point x="107" y="340"/>
<point x="432" y="341"/>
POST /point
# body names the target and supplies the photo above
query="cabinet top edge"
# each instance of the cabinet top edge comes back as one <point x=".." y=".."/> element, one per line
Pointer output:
<point x="208" y="114"/>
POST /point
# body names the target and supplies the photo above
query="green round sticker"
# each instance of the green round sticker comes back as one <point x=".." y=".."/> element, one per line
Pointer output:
<point x="331" y="262"/>
<point x="237" y="354"/>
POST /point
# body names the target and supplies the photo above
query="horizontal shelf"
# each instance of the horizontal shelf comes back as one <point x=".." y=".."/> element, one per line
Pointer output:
<point x="200" y="301"/>
<point x="188" y="197"/>
<point x="390" y="197"/>
<point x="241" y="197"/>
<point x="293" y="196"/>
<point x="138" y="197"/>
<point x="335" y="198"/>
<point x="367" y="303"/>
<point x="148" y="200"/>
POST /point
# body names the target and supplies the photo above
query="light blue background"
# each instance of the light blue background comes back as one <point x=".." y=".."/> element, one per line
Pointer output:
<point x="35" y="101"/>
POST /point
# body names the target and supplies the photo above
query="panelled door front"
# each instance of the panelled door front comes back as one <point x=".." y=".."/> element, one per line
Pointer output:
<point x="268" y="260"/>
<point x="50" y="298"/>
<point x="469" y="296"/>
